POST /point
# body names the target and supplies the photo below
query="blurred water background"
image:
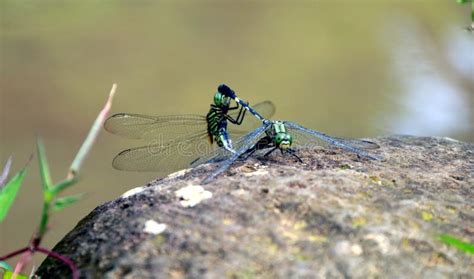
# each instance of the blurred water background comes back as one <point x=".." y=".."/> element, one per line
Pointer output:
<point x="348" y="68"/>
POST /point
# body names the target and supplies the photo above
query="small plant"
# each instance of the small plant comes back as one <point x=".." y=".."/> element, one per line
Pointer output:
<point x="469" y="28"/>
<point x="51" y="200"/>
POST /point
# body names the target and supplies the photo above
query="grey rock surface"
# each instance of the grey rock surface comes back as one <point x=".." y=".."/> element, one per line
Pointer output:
<point x="336" y="216"/>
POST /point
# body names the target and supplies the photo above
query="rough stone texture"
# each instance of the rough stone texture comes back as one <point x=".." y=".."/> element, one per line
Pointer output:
<point x="337" y="216"/>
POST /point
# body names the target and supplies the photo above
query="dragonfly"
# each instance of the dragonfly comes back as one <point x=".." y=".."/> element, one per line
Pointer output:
<point x="279" y="135"/>
<point x="174" y="141"/>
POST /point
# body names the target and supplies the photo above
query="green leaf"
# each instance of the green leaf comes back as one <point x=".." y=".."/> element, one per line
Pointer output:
<point x="43" y="165"/>
<point x="9" y="274"/>
<point x="8" y="193"/>
<point x="63" y="185"/>
<point x="457" y="243"/>
<point x="5" y="266"/>
<point x="67" y="201"/>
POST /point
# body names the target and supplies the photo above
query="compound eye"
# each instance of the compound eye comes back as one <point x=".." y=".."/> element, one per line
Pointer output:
<point x="278" y="139"/>
<point x="225" y="101"/>
<point x="218" y="99"/>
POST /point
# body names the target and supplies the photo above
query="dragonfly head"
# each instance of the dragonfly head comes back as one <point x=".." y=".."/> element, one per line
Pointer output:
<point x="221" y="100"/>
<point x="283" y="140"/>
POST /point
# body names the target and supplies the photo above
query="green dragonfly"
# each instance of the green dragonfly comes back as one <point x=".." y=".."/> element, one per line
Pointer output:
<point x="174" y="141"/>
<point x="278" y="135"/>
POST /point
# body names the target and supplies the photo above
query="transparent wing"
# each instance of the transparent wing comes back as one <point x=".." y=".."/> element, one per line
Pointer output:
<point x="244" y="144"/>
<point x="265" y="108"/>
<point x="221" y="154"/>
<point x="163" y="158"/>
<point x="303" y="138"/>
<point x="160" y="128"/>
<point x="307" y="137"/>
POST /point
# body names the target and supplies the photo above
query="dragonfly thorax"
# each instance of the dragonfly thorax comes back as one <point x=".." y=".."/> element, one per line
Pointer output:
<point x="281" y="138"/>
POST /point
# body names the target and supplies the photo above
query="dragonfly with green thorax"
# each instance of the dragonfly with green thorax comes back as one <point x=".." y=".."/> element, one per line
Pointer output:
<point x="174" y="141"/>
<point x="278" y="135"/>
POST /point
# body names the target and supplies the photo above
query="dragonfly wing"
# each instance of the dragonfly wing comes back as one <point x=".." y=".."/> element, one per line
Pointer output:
<point x="265" y="108"/>
<point x="163" y="158"/>
<point x="244" y="144"/>
<point x="217" y="155"/>
<point x="221" y="154"/>
<point x="161" y="128"/>
<point x="301" y="138"/>
<point x="305" y="136"/>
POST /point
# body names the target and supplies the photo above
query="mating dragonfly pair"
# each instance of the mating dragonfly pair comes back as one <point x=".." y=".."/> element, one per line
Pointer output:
<point x="183" y="141"/>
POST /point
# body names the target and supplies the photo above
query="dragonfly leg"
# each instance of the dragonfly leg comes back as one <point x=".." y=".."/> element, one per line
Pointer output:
<point x="248" y="153"/>
<point x="271" y="151"/>
<point x="293" y="153"/>
<point x="232" y="108"/>
<point x="240" y="117"/>
<point x="263" y="143"/>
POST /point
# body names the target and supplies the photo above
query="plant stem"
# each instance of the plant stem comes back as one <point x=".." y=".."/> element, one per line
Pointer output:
<point x="472" y="12"/>
<point x="64" y="259"/>
<point x="44" y="220"/>
<point x="22" y="262"/>
<point x="14" y="253"/>
<point x="91" y="136"/>
<point x="34" y="242"/>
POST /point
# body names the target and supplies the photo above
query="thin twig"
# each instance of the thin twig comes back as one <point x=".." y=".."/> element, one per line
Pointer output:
<point x="64" y="259"/>
<point x="14" y="253"/>
<point x="26" y="258"/>
<point x="91" y="137"/>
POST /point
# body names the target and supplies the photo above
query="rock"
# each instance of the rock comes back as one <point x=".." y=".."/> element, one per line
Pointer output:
<point x="335" y="216"/>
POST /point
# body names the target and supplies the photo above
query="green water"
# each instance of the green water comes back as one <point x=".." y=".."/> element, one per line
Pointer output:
<point x="355" y="70"/>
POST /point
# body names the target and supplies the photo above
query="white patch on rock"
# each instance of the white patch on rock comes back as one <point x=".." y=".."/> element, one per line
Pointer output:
<point x="178" y="174"/>
<point x="192" y="195"/>
<point x="257" y="172"/>
<point x="450" y="139"/>
<point x="132" y="192"/>
<point x="382" y="241"/>
<point x="345" y="248"/>
<point x="152" y="227"/>
<point x="240" y="193"/>
<point x="356" y="250"/>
